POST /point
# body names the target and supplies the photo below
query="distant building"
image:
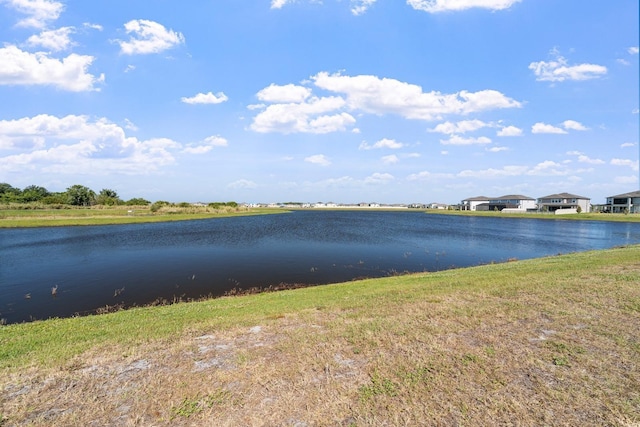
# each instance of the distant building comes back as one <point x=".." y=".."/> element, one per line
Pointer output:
<point x="561" y="201"/>
<point x="512" y="203"/>
<point x="442" y="206"/>
<point x="627" y="202"/>
<point x="472" y="203"/>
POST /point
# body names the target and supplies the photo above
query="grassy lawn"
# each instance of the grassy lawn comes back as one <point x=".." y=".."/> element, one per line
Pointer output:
<point x="552" y="341"/>
<point x="12" y="218"/>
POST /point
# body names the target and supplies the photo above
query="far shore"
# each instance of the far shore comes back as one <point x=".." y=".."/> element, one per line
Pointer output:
<point x="100" y="215"/>
<point x="11" y="217"/>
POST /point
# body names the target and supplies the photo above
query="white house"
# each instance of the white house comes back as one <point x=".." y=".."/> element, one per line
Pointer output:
<point x="627" y="202"/>
<point x="560" y="201"/>
<point x="508" y="203"/>
<point x="512" y="203"/>
<point x="472" y="203"/>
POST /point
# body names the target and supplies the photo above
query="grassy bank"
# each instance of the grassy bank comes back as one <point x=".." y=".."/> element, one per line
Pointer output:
<point x="100" y="215"/>
<point x="13" y="218"/>
<point x="592" y="216"/>
<point x="552" y="341"/>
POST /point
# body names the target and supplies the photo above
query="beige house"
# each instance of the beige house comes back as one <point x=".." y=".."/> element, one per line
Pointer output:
<point x="564" y="201"/>
<point x="627" y="202"/>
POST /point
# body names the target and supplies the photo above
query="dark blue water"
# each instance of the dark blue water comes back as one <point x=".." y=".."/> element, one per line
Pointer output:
<point x="192" y="259"/>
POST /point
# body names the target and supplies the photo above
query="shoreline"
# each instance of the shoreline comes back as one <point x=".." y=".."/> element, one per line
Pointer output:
<point x="15" y="219"/>
<point x="481" y="345"/>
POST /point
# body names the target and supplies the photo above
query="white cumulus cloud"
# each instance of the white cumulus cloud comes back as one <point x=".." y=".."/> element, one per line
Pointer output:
<point x="318" y="159"/>
<point x="379" y="178"/>
<point x="18" y="67"/>
<point x="358" y="7"/>
<point x="292" y="108"/>
<point x="314" y="115"/>
<point x="78" y="144"/>
<point x="285" y="93"/>
<point x="547" y="168"/>
<point x="573" y="125"/>
<point x="458" y="140"/>
<point x="39" y="12"/>
<point x="497" y="149"/>
<point x="583" y="158"/>
<point x="633" y="50"/>
<point x="375" y="95"/>
<point x="96" y="27"/>
<point x="426" y="176"/>
<point x="148" y="37"/>
<point x="205" y="98"/>
<point x="509" y="131"/>
<point x="559" y="70"/>
<point x="625" y="162"/>
<point x="383" y="143"/>
<point x="545" y="128"/>
<point x="391" y="159"/>
<point x="278" y="4"/>
<point x="434" y="6"/>
<point x="492" y="172"/>
<point x="206" y="145"/>
<point x="463" y="126"/>
<point x="128" y="124"/>
<point x="53" y="40"/>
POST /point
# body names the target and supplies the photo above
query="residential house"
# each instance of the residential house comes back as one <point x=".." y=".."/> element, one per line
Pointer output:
<point x="437" y="206"/>
<point x="512" y="203"/>
<point x="478" y="203"/>
<point x="564" y="201"/>
<point x="627" y="203"/>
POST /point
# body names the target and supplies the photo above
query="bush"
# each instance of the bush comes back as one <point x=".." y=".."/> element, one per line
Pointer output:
<point x="137" y="201"/>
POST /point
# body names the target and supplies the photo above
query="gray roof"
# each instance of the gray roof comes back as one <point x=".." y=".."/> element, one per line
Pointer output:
<point x="564" y="196"/>
<point x="514" y="197"/>
<point x="507" y="197"/>
<point x="625" y="195"/>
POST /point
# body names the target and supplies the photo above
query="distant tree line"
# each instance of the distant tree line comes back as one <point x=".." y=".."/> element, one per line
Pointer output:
<point x="76" y="195"/>
<point x="79" y="195"/>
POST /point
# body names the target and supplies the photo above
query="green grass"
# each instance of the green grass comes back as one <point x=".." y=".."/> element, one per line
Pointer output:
<point x="13" y="218"/>
<point x="540" y="215"/>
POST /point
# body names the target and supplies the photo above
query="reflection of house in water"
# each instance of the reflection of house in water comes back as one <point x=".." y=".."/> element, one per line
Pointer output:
<point x="624" y="203"/>
<point x="560" y="201"/>
<point x="508" y="203"/>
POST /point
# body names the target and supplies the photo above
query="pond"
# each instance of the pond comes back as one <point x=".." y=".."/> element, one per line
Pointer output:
<point x="128" y="265"/>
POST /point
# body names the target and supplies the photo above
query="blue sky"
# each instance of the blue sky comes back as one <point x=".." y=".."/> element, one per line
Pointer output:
<point x="386" y="101"/>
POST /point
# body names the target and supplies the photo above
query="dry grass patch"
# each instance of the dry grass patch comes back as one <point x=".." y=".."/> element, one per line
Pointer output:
<point x="541" y="342"/>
